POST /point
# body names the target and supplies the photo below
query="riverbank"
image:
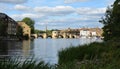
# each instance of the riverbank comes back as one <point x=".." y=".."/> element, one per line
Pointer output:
<point x="105" y="55"/>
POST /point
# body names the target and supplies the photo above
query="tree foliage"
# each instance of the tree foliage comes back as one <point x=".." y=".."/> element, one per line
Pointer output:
<point x="30" y="23"/>
<point x="39" y="31"/>
<point x="111" y="22"/>
<point x="19" y="32"/>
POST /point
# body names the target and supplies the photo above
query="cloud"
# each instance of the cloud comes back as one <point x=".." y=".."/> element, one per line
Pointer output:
<point x="22" y="8"/>
<point x="72" y="1"/>
<point x="61" y="15"/>
<point x="90" y="11"/>
<point x="61" y="10"/>
<point x="66" y="23"/>
<point x="13" y="1"/>
<point x="21" y="16"/>
<point x="58" y="10"/>
<point x="110" y="2"/>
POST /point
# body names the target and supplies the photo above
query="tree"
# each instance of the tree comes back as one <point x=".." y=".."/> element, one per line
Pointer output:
<point x="111" y="22"/>
<point x="116" y="19"/>
<point x="107" y="21"/>
<point x="19" y="32"/>
<point x="30" y="23"/>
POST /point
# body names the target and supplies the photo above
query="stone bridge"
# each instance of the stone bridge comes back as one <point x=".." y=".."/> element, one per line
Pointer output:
<point x="72" y="33"/>
<point x="68" y="33"/>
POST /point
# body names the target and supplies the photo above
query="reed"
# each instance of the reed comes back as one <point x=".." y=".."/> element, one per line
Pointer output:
<point x="8" y="63"/>
<point x="105" y="55"/>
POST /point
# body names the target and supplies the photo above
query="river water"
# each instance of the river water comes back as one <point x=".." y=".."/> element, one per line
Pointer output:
<point x="40" y="49"/>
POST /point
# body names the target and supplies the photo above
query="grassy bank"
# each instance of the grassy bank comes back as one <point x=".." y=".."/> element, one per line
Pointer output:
<point x="104" y="55"/>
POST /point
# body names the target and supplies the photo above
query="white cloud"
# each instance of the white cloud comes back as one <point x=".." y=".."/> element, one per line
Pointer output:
<point x="55" y="16"/>
<point x="90" y="11"/>
<point x="72" y="1"/>
<point x="21" y="16"/>
<point x="13" y="1"/>
<point x="22" y="8"/>
<point x="61" y="10"/>
<point x="110" y="2"/>
<point x="58" y="10"/>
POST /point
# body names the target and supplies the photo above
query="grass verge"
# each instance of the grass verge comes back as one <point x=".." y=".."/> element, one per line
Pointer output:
<point x="104" y="55"/>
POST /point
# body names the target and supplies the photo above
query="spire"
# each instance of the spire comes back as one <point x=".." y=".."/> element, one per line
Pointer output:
<point x="46" y="28"/>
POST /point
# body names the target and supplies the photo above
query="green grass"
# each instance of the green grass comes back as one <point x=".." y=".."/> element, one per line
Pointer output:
<point x="104" y="55"/>
<point x="8" y="63"/>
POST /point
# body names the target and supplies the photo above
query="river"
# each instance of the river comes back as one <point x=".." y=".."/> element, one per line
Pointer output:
<point x="40" y="49"/>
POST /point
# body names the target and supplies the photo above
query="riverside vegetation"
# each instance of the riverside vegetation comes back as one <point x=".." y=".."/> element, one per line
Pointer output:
<point x="105" y="55"/>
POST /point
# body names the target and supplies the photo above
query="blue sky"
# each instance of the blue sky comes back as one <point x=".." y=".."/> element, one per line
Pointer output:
<point x="57" y="14"/>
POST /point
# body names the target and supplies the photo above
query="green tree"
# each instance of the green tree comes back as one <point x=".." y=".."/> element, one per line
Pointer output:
<point x="111" y="22"/>
<point x="116" y="19"/>
<point x="30" y="23"/>
<point x="107" y="21"/>
<point x="19" y="32"/>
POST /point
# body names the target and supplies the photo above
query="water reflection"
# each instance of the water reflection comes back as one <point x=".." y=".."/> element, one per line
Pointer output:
<point x="27" y="48"/>
<point x="16" y="48"/>
<point x="40" y="49"/>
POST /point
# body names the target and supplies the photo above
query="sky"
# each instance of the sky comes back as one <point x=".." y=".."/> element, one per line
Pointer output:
<point x="57" y="14"/>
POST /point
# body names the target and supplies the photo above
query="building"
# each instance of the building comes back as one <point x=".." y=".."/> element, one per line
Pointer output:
<point x="11" y="25"/>
<point x="91" y="32"/>
<point x="96" y="32"/>
<point x="84" y="32"/>
<point x="26" y="29"/>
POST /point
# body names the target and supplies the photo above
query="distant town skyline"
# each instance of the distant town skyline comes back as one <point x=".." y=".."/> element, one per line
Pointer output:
<point x="57" y="14"/>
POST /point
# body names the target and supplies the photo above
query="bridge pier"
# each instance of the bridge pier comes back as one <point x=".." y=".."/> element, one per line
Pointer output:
<point x="64" y="35"/>
<point x="44" y="35"/>
<point x="34" y="35"/>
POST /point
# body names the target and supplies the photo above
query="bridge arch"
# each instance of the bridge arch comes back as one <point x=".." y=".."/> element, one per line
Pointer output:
<point x="73" y="36"/>
<point x="49" y="36"/>
<point x="67" y="36"/>
<point x="40" y="36"/>
<point x="60" y="36"/>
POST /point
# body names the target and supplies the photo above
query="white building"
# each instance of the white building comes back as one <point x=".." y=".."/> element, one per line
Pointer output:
<point x="84" y="33"/>
<point x="93" y="34"/>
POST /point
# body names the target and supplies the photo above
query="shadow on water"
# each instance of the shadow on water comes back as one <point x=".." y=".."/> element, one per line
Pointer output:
<point x="12" y="49"/>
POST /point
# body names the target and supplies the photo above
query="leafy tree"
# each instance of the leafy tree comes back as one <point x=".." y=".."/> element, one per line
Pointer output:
<point x="107" y="21"/>
<point x="39" y="31"/>
<point x="49" y="32"/>
<point x="111" y="22"/>
<point x="30" y="23"/>
<point x="19" y="32"/>
<point x="116" y="19"/>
